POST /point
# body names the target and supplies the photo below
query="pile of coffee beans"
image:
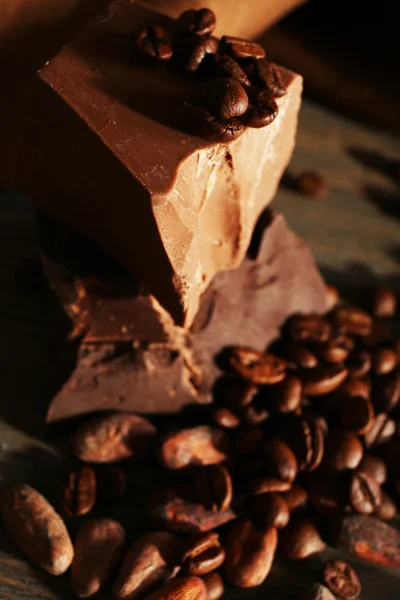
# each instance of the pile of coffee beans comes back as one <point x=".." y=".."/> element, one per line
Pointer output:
<point x="240" y="84"/>
<point x="300" y="448"/>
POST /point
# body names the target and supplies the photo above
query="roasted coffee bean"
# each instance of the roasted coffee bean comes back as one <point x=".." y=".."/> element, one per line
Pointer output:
<point x="249" y="554"/>
<point x="36" y="528"/>
<point x="333" y="296"/>
<point x="151" y="561"/>
<point x="296" y="498"/>
<point x="386" y="392"/>
<point x="111" y="482"/>
<point x="191" y="53"/>
<point x="202" y="445"/>
<point x="247" y="439"/>
<point x="199" y="121"/>
<point x="213" y="487"/>
<point x="374" y="467"/>
<point x="203" y="554"/>
<point x="269" y="510"/>
<point x="196" y="22"/>
<point x="226" y="418"/>
<point x="215" y="586"/>
<point x="312" y="184"/>
<point x="112" y="437"/>
<point x="355" y="387"/>
<point x="384" y="360"/>
<point x="343" y="451"/>
<point x="317" y="592"/>
<point x="381" y="301"/>
<point x="328" y="493"/>
<point x="189" y="588"/>
<point x="78" y="493"/>
<point x="301" y="355"/>
<point x="365" y="493"/>
<point x="265" y="484"/>
<point x="331" y="353"/>
<point x="358" y="363"/>
<point x="357" y="414"/>
<point x="256" y="367"/>
<point x="254" y="414"/>
<point x="387" y="509"/>
<point x="368" y="538"/>
<point x="381" y="431"/>
<point x="239" y="393"/>
<point x="308" y="328"/>
<point x="98" y="547"/>
<point x="262" y="110"/>
<point x="226" y="98"/>
<point x="240" y="48"/>
<point x="174" y="513"/>
<point x="286" y="396"/>
<point x="341" y="579"/>
<point x="153" y="43"/>
<point x="300" y="539"/>
<point x="323" y="379"/>
<point x="265" y="74"/>
<point x="226" y="66"/>
<point x="306" y="438"/>
<point x="356" y="321"/>
<point x="280" y="461"/>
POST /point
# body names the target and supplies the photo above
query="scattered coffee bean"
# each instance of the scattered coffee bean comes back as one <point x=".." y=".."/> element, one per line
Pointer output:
<point x="333" y="296"/>
<point x="265" y="484"/>
<point x="308" y="328"/>
<point x="365" y="493"/>
<point x="387" y="509"/>
<point x="191" y="53"/>
<point x="256" y="367"/>
<point x="382" y="430"/>
<point x="312" y="184"/>
<point x="240" y="48"/>
<point x="215" y="586"/>
<point x="374" y="467"/>
<point x="202" y="445"/>
<point x="203" y="554"/>
<point x="331" y="353"/>
<point x="296" y="498"/>
<point x="317" y="592"/>
<point x="98" y="547"/>
<point x="382" y="301"/>
<point x="343" y="451"/>
<point x="358" y="363"/>
<point x="226" y="98"/>
<point x="201" y="122"/>
<point x="355" y="387"/>
<point x="249" y="554"/>
<point x="262" y="110"/>
<point x="269" y="510"/>
<point x="239" y="393"/>
<point x="323" y="379"/>
<point x="300" y="539"/>
<point x="112" y="437"/>
<point x="197" y="22"/>
<point x="356" y="321"/>
<point x="301" y="355"/>
<point x="285" y="397"/>
<point x="154" y="43"/>
<point x="254" y="414"/>
<point x="280" y="461"/>
<point x="226" y="66"/>
<point x="36" y="528"/>
<point x="341" y="579"/>
<point x="213" y="486"/>
<point x="78" y="493"/>
<point x="225" y="418"/>
<point x="384" y="360"/>
<point x="306" y="438"/>
<point x="357" y="414"/>
<point x="190" y="588"/>
<point x="264" y="74"/>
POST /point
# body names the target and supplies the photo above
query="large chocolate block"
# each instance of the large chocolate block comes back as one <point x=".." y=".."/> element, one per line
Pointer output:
<point x="103" y="152"/>
<point x="134" y="358"/>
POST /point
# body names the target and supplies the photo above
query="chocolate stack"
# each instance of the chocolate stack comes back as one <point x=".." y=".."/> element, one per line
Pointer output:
<point x="154" y="149"/>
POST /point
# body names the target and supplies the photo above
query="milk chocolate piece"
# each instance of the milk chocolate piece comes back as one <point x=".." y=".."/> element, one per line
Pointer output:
<point x="134" y="358"/>
<point x="103" y="153"/>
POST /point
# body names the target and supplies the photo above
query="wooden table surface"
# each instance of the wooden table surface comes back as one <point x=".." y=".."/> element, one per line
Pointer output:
<point x="354" y="234"/>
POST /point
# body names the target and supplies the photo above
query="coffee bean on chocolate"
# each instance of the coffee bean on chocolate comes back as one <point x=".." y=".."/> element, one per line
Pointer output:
<point x="111" y="482"/>
<point x="202" y="445"/>
<point x="224" y="417"/>
<point x="113" y="437"/>
<point x="190" y="588"/>
<point x="36" y="528"/>
<point x="286" y="396"/>
<point x="296" y="498"/>
<point x="191" y="53"/>
<point x="196" y="22"/>
<point x="301" y="355"/>
<point x="306" y="438"/>
<point x="199" y="121"/>
<point x="249" y="554"/>
<point x="384" y="360"/>
<point x="300" y="539"/>
<point x="374" y="467"/>
<point x="356" y="321"/>
<point x="240" y="48"/>
<point x="262" y="110"/>
<point x="341" y="579"/>
<point x="308" y="328"/>
<point x="323" y="379"/>
<point x="78" y="492"/>
<point x="264" y="74"/>
<point x="203" y="554"/>
<point x="269" y="510"/>
<point x="226" y="98"/>
<point x="226" y="66"/>
<point x="317" y="592"/>
<point x="312" y="184"/>
<point x="154" y="43"/>
<point x="358" y="363"/>
<point x="357" y="414"/>
<point x="386" y="392"/>
<point x="387" y="509"/>
<point x="215" y="586"/>
<point x="365" y="493"/>
<point x="280" y="461"/>
<point x="343" y="451"/>
<point x="265" y="484"/>
<point x="213" y="487"/>
<point x="382" y="430"/>
<point x="381" y="301"/>
<point x="256" y="367"/>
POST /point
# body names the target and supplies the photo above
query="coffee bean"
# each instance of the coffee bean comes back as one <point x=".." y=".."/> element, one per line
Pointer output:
<point x="381" y="301"/>
<point x="269" y="510"/>
<point x="328" y="493"/>
<point x="249" y="554"/>
<point x="240" y="48"/>
<point x="262" y="110"/>
<point x="226" y="98"/>
<point x="317" y="592"/>
<point x="189" y="588"/>
<point x="384" y="360"/>
<point x="113" y="437"/>
<point x="78" y="493"/>
<point x="239" y="393"/>
<point x="265" y="74"/>
<point x="203" y="554"/>
<point x="374" y="467"/>
<point x="312" y="184"/>
<point x="213" y="486"/>
<point x="215" y="586"/>
<point x="365" y="493"/>
<point x="196" y="22"/>
<point x="265" y="484"/>
<point x="247" y="439"/>
<point x="151" y="561"/>
<point x="386" y="392"/>
<point x="286" y="396"/>
<point x="111" y="482"/>
<point x="356" y="321"/>
<point x="368" y="538"/>
<point x="341" y="579"/>
<point x="308" y="328"/>
<point x="199" y="121"/>
<point x="333" y="296"/>
<point x="323" y="379"/>
<point x="98" y="547"/>
<point x="301" y="355"/>
<point x="254" y="414"/>
<point x="226" y="66"/>
<point x="193" y="52"/>
<point x="387" y="509"/>
<point x="154" y="43"/>
<point x="202" y="445"/>
<point x="256" y="367"/>
<point x="357" y="414"/>
<point x="223" y="417"/>
<point x="358" y="363"/>
<point x="280" y="461"/>
<point x="381" y="430"/>
<point x="307" y="441"/>
<point x="343" y="451"/>
<point x="296" y="498"/>
<point x="300" y="539"/>
<point x="331" y="353"/>
<point x="36" y="528"/>
<point x="355" y="387"/>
